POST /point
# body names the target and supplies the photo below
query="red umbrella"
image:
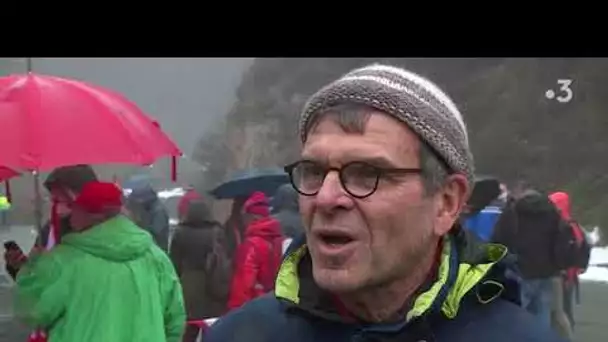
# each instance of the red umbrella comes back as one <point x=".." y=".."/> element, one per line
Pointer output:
<point x="6" y="173"/>
<point x="49" y="121"/>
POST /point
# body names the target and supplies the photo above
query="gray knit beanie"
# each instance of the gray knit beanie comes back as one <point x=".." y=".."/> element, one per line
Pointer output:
<point x="410" y="98"/>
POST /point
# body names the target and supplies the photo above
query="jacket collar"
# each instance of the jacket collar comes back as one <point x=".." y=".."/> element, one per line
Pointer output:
<point x="464" y="267"/>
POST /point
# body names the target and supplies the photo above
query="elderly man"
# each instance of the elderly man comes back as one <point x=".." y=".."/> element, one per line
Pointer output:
<point x="384" y="172"/>
<point x="63" y="184"/>
<point x="105" y="281"/>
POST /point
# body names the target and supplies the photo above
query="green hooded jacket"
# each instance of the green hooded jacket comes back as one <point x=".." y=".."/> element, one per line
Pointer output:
<point x="108" y="283"/>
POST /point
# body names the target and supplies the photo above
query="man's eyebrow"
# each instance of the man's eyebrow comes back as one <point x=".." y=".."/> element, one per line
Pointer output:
<point x="379" y="161"/>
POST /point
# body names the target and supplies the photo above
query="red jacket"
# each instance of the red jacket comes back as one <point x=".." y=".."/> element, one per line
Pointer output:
<point x="257" y="262"/>
<point x="562" y="201"/>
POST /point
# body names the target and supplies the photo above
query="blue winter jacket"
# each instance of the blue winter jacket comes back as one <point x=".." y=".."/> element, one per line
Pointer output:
<point x="149" y="213"/>
<point x="482" y="223"/>
<point x="473" y="298"/>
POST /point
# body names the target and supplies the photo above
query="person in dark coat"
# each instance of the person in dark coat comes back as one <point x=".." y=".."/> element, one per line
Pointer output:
<point x="190" y="246"/>
<point x="285" y="210"/>
<point x="184" y="202"/>
<point x="384" y="172"/>
<point x="64" y="184"/>
<point x="529" y="227"/>
<point x="148" y="212"/>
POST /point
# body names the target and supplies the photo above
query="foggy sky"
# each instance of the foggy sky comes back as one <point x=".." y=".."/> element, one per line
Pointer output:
<point x="183" y="94"/>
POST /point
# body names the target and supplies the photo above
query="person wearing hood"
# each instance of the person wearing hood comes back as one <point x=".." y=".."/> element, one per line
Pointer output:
<point x="105" y="281"/>
<point x="530" y="227"/>
<point x="148" y="212"/>
<point x="259" y="255"/>
<point x="183" y="206"/>
<point x="285" y="210"/>
<point x="479" y="215"/>
<point x="191" y="246"/>
<point x="570" y="284"/>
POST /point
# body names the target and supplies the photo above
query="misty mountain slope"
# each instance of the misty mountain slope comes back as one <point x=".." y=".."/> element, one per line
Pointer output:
<point x="516" y="132"/>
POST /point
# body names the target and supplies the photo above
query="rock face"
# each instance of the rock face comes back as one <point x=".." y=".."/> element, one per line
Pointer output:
<point x="518" y="127"/>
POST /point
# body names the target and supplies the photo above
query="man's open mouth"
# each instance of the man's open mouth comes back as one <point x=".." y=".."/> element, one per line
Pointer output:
<point x="335" y="238"/>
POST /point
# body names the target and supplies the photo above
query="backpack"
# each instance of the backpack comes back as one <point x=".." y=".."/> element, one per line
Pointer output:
<point x="572" y="250"/>
<point x="522" y="226"/>
<point x="218" y="266"/>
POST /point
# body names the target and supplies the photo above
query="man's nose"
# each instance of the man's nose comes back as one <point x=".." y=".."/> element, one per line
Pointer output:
<point x="332" y="195"/>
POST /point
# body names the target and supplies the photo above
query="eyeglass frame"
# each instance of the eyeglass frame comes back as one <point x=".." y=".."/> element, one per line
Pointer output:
<point x="380" y="171"/>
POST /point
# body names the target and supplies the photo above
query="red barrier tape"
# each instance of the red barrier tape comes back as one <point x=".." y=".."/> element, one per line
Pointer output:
<point x="201" y="324"/>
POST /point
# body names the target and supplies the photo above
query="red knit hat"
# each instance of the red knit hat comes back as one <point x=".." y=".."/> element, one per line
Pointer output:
<point x="257" y="204"/>
<point x="96" y="197"/>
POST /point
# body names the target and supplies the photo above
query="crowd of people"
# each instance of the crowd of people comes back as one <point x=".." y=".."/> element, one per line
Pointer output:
<point x="551" y="247"/>
<point x="209" y="270"/>
<point x="368" y="242"/>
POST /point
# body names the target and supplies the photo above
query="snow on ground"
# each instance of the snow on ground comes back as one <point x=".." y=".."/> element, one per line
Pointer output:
<point x="170" y="193"/>
<point x="595" y="272"/>
<point x="164" y="194"/>
<point x="599" y="255"/>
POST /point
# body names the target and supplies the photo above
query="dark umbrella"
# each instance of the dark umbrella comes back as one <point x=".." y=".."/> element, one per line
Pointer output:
<point x="485" y="190"/>
<point x="245" y="182"/>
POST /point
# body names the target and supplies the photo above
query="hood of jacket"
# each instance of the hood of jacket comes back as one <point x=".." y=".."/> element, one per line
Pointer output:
<point x="285" y="199"/>
<point x="266" y="227"/>
<point x="184" y="203"/>
<point x="143" y="194"/>
<point x="467" y="267"/>
<point x="197" y="214"/>
<point x="562" y="201"/>
<point x="117" y="239"/>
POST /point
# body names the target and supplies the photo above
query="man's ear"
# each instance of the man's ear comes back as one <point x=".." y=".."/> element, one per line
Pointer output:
<point x="450" y="201"/>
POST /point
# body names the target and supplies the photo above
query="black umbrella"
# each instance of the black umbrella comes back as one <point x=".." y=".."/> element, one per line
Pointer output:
<point x="245" y="182"/>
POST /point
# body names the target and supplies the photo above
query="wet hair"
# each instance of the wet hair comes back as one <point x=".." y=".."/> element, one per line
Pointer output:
<point x="352" y="118"/>
<point x="72" y="177"/>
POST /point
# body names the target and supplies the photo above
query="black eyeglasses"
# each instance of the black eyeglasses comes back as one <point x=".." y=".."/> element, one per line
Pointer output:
<point x="359" y="179"/>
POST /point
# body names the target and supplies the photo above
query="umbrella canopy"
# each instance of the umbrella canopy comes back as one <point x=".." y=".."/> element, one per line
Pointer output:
<point x="6" y="173"/>
<point x="49" y="121"/>
<point x="245" y="182"/>
<point x="485" y="190"/>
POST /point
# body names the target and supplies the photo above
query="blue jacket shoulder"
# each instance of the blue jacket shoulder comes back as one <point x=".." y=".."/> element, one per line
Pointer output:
<point x="266" y="319"/>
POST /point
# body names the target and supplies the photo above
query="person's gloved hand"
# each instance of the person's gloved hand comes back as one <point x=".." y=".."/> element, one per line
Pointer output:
<point x="14" y="259"/>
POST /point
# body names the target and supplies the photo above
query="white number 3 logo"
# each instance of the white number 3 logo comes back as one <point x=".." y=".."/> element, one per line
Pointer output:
<point x="566" y="92"/>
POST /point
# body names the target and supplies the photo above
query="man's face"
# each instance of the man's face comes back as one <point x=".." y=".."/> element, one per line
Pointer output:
<point x="64" y="198"/>
<point x="385" y="235"/>
<point x="79" y="219"/>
